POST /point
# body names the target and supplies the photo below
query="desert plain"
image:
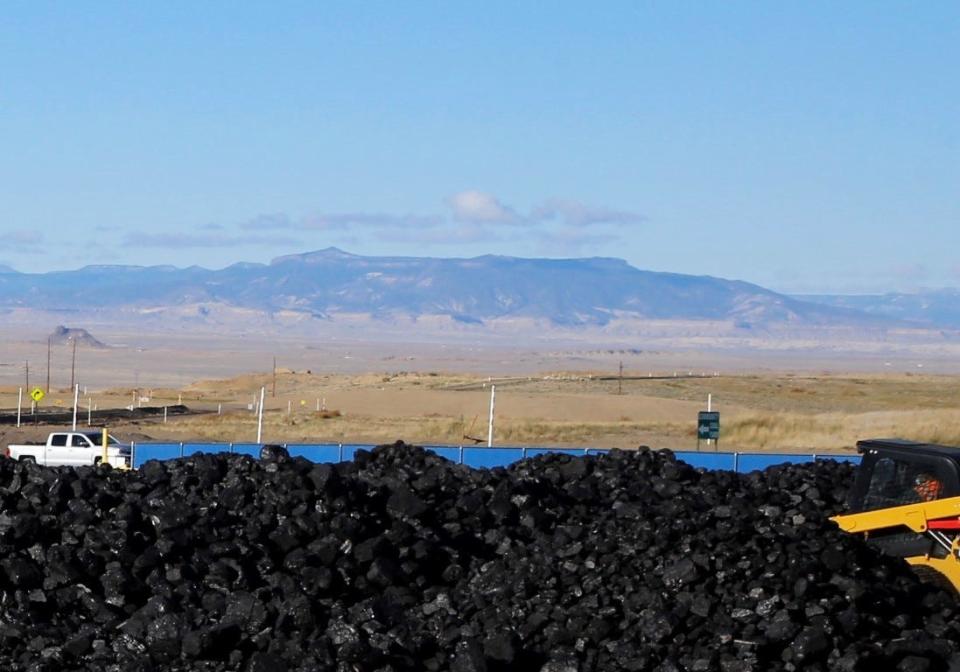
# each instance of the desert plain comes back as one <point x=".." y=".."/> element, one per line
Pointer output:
<point x="550" y="393"/>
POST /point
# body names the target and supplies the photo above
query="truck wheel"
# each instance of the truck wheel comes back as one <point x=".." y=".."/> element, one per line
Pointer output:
<point x="28" y="458"/>
<point x="96" y="461"/>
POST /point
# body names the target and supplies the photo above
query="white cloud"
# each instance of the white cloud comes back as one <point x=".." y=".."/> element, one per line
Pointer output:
<point x="350" y="220"/>
<point x="23" y="237"/>
<point x="22" y="241"/>
<point x="270" y="221"/>
<point x="479" y="207"/>
<point x="575" y="213"/>
<point x="452" y="234"/>
<point x="910" y="271"/>
<point x="474" y="218"/>
<point x="177" y="240"/>
<point x="340" y="221"/>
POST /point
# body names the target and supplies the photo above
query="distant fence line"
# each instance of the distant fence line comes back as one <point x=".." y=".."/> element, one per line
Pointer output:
<point x="476" y="456"/>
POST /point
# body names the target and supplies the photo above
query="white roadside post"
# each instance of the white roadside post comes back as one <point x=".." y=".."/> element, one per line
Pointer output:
<point x="493" y="395"/>
<point x="76" y="399"/>
<point x="260" y="417"/>
<point x="709" y="408"/>
<point x="19" y="404"/>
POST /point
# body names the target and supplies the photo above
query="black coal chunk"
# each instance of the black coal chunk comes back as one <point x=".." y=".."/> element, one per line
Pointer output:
<point x="403" y="561"/>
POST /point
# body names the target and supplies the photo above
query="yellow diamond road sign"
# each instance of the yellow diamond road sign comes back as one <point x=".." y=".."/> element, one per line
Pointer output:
<point x="37" y="394"/>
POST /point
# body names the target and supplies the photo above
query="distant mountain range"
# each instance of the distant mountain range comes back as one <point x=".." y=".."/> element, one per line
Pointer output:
<point x="330" y="282"/>
<point x="937" y="308"/>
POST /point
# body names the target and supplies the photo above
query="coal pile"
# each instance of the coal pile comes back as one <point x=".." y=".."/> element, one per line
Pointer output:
<point x="401" y="560"/>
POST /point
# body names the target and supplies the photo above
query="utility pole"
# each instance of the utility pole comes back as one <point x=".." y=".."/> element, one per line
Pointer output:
<point x="620" y="382"/>
<point x="47" y="390"/>
<point x="274" y="391"/>
<point x="27" y="386"/>
<point x="709" y="409"/>
<point x="260" y="418"/>
<point x="493" y="395"/>
<point x="73" y="364"/>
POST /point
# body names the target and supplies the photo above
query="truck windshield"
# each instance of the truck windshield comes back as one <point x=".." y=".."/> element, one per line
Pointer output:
<point x="898" y="482"/>
<point x="96" y="438"/>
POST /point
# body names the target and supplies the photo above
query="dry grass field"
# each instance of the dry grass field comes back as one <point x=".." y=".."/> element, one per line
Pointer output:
<point x="802" y="398"/>
<point x="760" y="411"/>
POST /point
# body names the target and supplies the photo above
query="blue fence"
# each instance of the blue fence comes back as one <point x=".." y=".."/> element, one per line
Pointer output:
<point x="475" y="456"/>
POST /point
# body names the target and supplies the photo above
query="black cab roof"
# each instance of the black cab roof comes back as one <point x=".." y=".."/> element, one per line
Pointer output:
<point x="909" y="447"/>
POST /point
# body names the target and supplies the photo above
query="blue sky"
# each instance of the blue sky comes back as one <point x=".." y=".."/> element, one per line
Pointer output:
<point x="805" y="146"/>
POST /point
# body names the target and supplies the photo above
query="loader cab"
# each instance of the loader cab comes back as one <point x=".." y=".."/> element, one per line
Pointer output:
<point x="895" y="472"/>
<point x="905" y="502"/>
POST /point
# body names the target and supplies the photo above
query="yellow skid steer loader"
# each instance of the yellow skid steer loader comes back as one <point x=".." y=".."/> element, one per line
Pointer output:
<point x="906" y="502"/>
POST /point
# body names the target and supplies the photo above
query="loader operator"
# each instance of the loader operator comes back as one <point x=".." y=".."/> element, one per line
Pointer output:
<point x="927" y="486"/>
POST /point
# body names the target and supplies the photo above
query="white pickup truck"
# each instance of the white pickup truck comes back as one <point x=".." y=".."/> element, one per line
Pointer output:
<point x="73" y="449"/>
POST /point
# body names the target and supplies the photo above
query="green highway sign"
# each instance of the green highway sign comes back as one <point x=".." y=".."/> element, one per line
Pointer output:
<point x="708" y="425"/>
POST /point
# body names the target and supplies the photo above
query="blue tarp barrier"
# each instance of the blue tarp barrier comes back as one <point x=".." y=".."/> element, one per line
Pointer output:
<point x="251" y="449"/>
<point x="855" y="459"/>
<point x="317" y="452"/>
<point x="747" y="462"/>
<point x="476" y="456"/>
<point x="708" y="460"/>
<point x="491" y="457"/>
<point x="576" y="452"/>
<point x="192" y="448"/>
<point x="144" y="452"/>
<point x="350" y="450"/>
<point x="446" y="452"/>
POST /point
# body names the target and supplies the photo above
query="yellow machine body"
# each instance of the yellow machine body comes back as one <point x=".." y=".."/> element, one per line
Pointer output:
<point x="916" y="517"/>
